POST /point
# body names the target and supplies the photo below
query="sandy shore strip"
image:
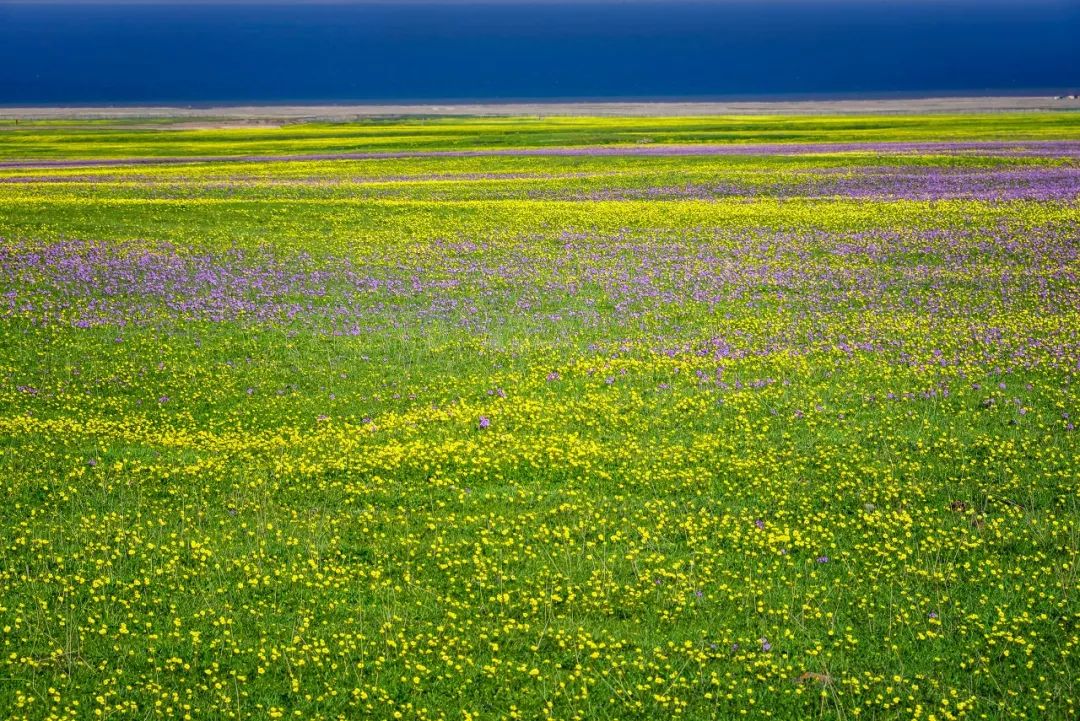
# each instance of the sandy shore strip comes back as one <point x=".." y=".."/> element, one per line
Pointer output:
<point x="244" y="114"/>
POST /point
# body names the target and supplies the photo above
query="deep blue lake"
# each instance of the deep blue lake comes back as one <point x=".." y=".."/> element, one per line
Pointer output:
<point x="307" y="52"/>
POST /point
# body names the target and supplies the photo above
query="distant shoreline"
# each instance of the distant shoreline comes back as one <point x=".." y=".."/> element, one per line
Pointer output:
<point x="249" y="113"/>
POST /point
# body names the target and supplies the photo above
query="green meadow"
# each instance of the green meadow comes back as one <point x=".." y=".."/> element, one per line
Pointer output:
<point x="541" y="418"/>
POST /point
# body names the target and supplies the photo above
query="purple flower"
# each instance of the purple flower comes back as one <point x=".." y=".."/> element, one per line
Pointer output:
<point x="933" y="614"/>
<point x="553" y="376"/>
<point x="760" y="524"/>
<point x="822" y="559"/>
<point x="765" y="645"/>
<point x="163" y="400"/>
<point x="484" y="422"/>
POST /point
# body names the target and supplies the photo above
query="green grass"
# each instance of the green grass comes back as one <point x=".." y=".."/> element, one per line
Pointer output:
<point x="766" y="454"/>
<point x="118" y="140"/>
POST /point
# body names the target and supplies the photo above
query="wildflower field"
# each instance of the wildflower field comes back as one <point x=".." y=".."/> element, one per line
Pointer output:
<point x="530" y="418"/>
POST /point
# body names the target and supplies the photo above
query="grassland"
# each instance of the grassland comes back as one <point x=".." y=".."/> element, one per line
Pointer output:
<point x="541" y="418"/>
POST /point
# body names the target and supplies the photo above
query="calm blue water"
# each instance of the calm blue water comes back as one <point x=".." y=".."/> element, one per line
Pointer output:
<point x="101" y="53"/>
